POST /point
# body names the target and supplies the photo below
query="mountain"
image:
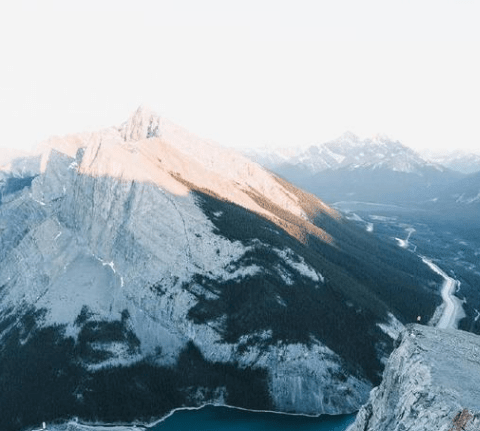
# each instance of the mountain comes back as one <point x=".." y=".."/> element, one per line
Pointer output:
<point x="458" y="204"/>
<point x="466" y="191"/>
<point x="143" y="269"/>
<point x="270" y="157"/>
<point x="462" y="193"/>
<point x="348" y="151"/>
<point x="461" y="161"/>
<point x="430" y="383"/>
<point x="375" y="170"/>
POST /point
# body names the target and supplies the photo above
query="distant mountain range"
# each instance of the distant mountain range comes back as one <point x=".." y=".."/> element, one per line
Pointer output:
<point x="349" y="151"/>
<point x="143" y="268"/>
<point x="378" y="170"/>
<point x="461" y="161"/>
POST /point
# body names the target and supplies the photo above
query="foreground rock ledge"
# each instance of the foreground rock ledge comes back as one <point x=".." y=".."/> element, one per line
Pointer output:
<point x="431" y="382"/>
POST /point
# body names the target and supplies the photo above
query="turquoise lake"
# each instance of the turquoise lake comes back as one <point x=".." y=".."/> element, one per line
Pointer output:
<point x="212" y="418"/>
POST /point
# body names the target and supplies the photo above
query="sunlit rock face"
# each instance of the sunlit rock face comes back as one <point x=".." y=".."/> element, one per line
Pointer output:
<point x="431" y="382"/>
<point x="143" y="269"/>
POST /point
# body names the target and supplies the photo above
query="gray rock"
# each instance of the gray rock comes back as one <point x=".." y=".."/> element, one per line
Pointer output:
<point x="431" y="382"/>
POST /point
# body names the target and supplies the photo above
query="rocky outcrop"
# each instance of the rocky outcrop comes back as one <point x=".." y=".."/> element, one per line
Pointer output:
<point x="431" y="382"/>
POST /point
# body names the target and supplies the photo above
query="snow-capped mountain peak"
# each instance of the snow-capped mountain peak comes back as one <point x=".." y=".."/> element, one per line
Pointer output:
<point x="349" y="151"/>
<point x="151" y="149"/>
<point x="142" y="124"/>
<point x="458" y="160"/>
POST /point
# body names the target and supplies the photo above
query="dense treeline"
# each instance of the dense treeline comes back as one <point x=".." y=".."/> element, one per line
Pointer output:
<point x="42" y="379"/>
<point x="365" y="278"/>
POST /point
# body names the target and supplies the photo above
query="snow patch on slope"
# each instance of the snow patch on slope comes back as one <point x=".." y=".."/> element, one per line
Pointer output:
<point x="393" y="328"/>
<point x="298" y="263"/>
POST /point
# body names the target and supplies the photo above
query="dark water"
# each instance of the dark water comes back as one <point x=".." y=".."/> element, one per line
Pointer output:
<point x="211" y="418"/>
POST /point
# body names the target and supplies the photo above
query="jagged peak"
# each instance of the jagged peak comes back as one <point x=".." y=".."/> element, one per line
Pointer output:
<point x="383" y="138"/>
<point x="143" y="123"/>
<point x="349" y="136"/>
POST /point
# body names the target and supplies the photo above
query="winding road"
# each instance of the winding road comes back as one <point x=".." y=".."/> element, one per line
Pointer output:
<point x="452" y="306"/>
<point x="453" y="311"/>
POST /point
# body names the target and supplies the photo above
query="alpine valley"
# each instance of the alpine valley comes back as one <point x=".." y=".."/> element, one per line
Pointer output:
<point x="145" y="269"/>
<point x="378" y="170"/>
<point x="427" y="204"/>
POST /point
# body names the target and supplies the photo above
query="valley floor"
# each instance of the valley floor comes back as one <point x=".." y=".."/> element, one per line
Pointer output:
<point x="451" y="250"/>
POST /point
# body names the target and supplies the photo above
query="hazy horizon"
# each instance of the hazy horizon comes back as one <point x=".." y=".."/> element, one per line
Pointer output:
<point x="246" y="75"/>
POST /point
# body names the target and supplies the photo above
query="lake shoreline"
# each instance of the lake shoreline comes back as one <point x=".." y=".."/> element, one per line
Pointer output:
<point x="140" y="426"/>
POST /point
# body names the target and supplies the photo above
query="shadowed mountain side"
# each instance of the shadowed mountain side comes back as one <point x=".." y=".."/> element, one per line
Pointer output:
<point x="298" y="227"/>
<point x="48" y="382"/>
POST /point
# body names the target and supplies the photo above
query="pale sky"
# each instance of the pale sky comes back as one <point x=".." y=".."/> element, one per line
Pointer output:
<point x="244" y="73"/>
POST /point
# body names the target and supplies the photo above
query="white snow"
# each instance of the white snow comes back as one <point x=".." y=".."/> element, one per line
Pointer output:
<point x="339" y="158"/>
<point x="246" y="271"/>
<point x="354" y="217"/>
<point x="473" y="199"/>
<point x="393" y="328"/>
<point x="477" y="315"/>
<point x="37" y="201"/>
<point x="404" y="242"/>
<point x="110" y="264"/>
<point x="381" y="218"/>
<point x="298" y="263"/>
<point x="73" y="165"/>
<point x="286" y="276"/>
<point x="369" y="227"/>
<point x="281" y="301"/>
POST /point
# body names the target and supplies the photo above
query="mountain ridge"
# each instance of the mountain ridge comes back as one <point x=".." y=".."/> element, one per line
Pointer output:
<point x="372" y="170"/>
<point x="350" y="151"/>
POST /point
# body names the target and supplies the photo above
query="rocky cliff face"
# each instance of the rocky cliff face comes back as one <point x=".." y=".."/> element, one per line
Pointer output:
<point x="431" y="382"/>
<point x="143" y="268"/>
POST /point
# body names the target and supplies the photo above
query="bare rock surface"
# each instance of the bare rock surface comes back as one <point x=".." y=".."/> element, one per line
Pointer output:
<point x="431" y="382"/>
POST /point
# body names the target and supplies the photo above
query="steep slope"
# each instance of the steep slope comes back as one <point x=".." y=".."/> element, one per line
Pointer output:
<point x="143" y="269"/>
<point x="431" y="382"/>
